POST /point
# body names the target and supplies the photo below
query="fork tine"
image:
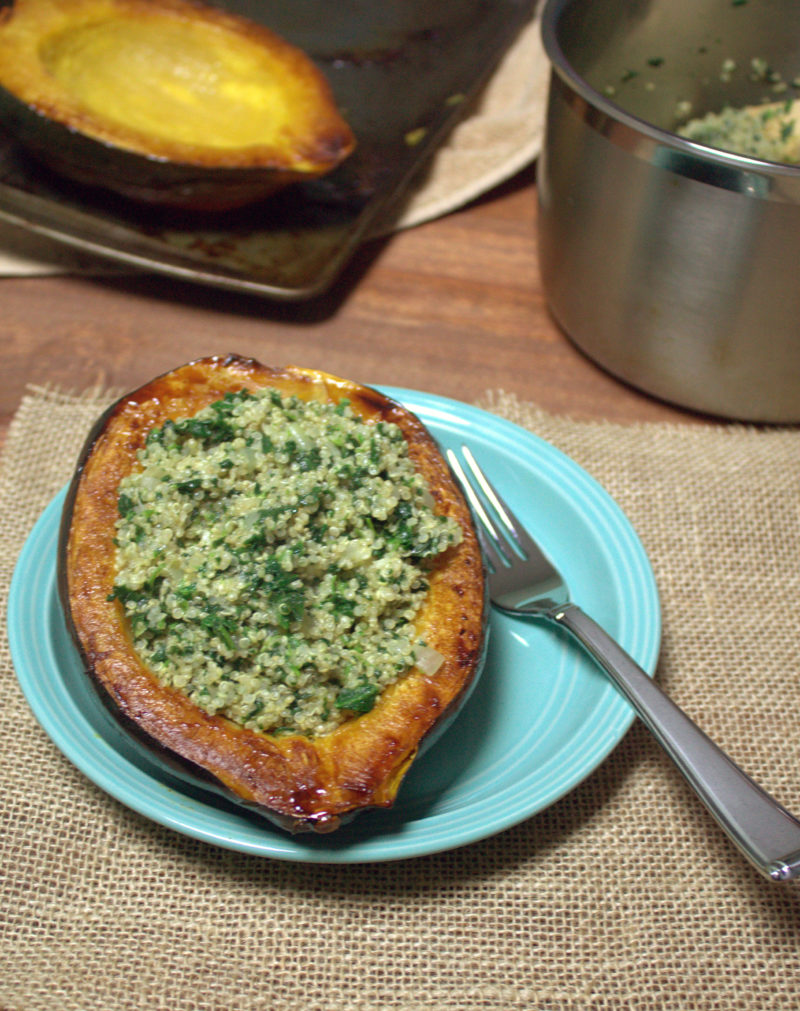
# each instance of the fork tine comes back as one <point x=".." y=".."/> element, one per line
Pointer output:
<point x="523" y="580"/>
<point x="514" y="526"/>
<point x="497" y="560"/>
<point x="490" y="540"/>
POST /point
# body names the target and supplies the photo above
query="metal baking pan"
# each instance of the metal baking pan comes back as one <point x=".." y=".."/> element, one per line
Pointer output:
<point x="403" y="73"/>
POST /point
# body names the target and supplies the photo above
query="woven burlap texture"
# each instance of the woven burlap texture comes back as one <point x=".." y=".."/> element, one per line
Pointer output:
<point x="622" y="895"/>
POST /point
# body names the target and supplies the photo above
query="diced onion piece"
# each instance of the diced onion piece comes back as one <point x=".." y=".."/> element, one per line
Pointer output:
<point x="428" y="660"/>
<point x="428" y="499"/>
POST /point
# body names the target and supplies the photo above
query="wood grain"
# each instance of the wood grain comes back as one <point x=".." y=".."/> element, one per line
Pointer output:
<point x="453" y="307"/>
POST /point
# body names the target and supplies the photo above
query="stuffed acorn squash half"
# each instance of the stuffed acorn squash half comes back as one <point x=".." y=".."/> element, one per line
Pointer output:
<point x="272" y="577"/>
<point x="170" y="102"/>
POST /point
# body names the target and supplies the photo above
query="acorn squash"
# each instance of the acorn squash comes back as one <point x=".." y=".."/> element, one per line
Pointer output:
<point x="301" y="781"/>
<point x="165" y="101"/>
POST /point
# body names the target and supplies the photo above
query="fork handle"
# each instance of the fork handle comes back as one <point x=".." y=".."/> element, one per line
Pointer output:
<point x="763" y="830"/>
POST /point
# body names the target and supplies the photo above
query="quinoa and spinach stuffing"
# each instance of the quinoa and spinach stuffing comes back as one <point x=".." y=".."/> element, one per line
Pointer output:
<point x="769" y="132"/>
<point x="271" y="558"/>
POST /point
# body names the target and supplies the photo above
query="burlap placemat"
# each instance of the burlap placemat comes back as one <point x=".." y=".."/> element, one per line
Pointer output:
<point x="622" y="895"/>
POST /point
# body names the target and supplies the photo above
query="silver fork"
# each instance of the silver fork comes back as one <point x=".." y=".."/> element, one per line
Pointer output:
<point x="523" y="581"/>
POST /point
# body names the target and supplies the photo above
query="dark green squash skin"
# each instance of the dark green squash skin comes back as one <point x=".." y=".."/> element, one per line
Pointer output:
<point x="148" y="180"/>
<point x="187" y="771"/>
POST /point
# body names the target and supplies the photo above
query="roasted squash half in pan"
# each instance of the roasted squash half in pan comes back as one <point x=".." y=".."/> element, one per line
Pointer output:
<point x="170" y="102"/>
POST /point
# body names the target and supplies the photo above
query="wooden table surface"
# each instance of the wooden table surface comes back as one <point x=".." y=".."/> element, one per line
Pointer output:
<point x="453" y="307"/>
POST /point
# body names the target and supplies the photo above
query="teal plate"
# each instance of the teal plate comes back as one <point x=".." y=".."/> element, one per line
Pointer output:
<point x="540" y="720"/>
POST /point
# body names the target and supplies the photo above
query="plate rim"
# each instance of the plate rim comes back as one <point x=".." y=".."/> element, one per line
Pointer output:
<point x="375" y="848"/>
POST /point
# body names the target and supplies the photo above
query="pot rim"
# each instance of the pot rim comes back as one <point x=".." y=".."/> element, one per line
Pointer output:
<point x="551" y="15"/>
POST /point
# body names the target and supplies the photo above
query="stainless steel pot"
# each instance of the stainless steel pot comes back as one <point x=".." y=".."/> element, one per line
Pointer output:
<point x="673" y="265"/>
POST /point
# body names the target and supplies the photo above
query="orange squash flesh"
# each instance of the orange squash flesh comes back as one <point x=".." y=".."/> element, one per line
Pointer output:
<point x="300" y="783"/>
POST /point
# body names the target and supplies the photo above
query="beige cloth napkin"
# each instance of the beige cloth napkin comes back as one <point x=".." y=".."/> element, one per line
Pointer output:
<point x="623" y="895"/>
<point x="501" y="134"/>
